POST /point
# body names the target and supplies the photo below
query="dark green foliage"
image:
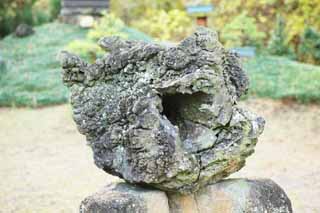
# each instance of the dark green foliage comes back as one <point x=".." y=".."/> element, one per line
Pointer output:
<point x="45" y="11"/>
<point x="309" y="48"/>
<point x="12" y="14"/>
<point x="133" y="10"/>
<point x="55" y="6"/>
<point x="242" y="31"/>
<point x="277" y="43"/>
<point x="32" y="12"/>
<point x="2" y="66"/>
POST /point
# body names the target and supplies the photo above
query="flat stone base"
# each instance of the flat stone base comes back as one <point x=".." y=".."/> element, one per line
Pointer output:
<point x="227" y="196"/>
<point x="125" y="198"/>
<point x="234" y="196"/>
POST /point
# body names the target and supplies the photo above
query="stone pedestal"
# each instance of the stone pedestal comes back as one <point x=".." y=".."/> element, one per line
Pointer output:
<point x="227" y="196"/>
<point x="234" y="196"/>
<point x="125" y="198"/>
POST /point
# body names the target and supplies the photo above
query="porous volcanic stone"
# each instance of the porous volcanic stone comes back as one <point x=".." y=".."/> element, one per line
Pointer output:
<point x="163" y="116"/>
<point x="234" y="196"/>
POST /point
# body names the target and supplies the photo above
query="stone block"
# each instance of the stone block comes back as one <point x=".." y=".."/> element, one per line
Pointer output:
<point x="234" y="196"/>
<point x="227" y="196"/>
<point x="125" y="198"/>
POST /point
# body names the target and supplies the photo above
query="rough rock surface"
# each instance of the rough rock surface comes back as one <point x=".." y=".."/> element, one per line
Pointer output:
<point x="227" y="196"/>
<point x="24" y="30"/>
<point x="163" y="116"/>
<point x="234" y="196"/>
<point x="125" y="198"/>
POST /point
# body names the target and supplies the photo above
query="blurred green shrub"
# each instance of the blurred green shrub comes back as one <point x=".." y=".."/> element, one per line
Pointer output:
<point x="298" y="14"/>
<point x="132" y="10"/>
<point x="162" y="19"/>
<point x="309" y="48"/>
<point x="45" y="10"/>
<point x="107" y="25"/>
<point x="12" y="12"/>
<point x="32" y="12"/>
<point x="173" y="25"/>
<point x="86" y="49"/>
<point x="2" y="66"/>
<point x="242" y="31"/>
<point x="278" y="44"/>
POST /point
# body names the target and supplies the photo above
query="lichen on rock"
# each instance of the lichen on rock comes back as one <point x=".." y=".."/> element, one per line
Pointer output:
<point x="163" y="116"/>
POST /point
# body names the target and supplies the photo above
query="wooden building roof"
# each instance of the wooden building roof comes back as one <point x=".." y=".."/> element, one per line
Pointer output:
<point x="76" y="7"/>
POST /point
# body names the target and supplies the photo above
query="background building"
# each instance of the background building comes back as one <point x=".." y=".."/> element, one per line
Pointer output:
<point x="72" y="11"/>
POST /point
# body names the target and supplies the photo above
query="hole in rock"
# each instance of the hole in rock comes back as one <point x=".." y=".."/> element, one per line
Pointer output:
<point x="178" y="107"/>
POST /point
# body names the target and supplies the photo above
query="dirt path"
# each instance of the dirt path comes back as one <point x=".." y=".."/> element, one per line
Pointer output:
<point x="46" y="167"/>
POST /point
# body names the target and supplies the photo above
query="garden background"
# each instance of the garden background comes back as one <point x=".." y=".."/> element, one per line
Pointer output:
<point x="39" y="142"/>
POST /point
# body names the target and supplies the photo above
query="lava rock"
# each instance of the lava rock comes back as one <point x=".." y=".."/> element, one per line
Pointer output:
<point x="23" y="30"/>
<point x="164" y="116"/>
<point x="125" y="198"/>
<point x="234" y="196"/>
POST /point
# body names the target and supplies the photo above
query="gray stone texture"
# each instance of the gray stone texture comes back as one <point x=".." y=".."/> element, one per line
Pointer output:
<point x="23" y="30"/>
<point x="227" y="196"/>
<point x="234" y="196"/>
<point x="161" y="116"/>
<point x="125" y="198"/>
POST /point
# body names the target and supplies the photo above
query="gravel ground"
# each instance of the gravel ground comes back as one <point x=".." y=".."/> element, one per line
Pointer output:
<point x="46" y="166"/>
